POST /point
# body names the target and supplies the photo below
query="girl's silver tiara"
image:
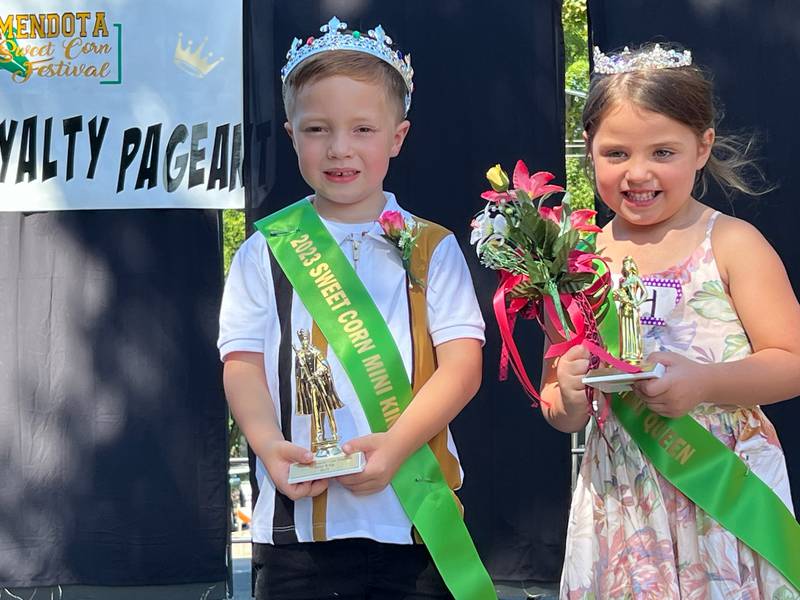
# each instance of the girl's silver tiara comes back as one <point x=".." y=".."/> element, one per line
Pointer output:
<point x="627" y="61"/>
<point x="375" y="42"/>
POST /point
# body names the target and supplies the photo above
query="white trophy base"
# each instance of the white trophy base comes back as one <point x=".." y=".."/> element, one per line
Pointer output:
<point x="329" y="466"/>
<point x="613" y="381"/>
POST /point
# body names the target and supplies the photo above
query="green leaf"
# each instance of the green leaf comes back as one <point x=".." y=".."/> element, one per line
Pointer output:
<point x="529" y="223"/>
<point x="540" y="234"/>
<point x="735" y="343"/>
<point x="572" y="283"/>
<point x="558" y="264"/>
<point x="563" y="245"/>
<point x="587" y="242"/>
<point x="551" y="235"/>
<point x="712" y="303"/>
<point x="537" y="270"/>
<point x="527" y="290"/>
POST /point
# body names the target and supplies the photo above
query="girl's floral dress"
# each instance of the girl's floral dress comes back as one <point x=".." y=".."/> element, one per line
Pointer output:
<point x="631" y="534"/>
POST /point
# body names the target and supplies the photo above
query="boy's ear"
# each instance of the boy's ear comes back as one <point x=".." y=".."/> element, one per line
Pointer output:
<point x="704" y="147"/>
<point x="400" y="133"/>
<point x="288" y="127"/>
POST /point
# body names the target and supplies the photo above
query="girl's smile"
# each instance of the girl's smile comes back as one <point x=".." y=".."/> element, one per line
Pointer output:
<point x="645" y="163"/>
<point x="641" y="198"/>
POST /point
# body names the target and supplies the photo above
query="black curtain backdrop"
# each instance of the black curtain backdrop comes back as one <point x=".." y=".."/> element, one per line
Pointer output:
<point x="753" y="49"/>
<point x="489" y="88"/>
<point x="113" y="450"/>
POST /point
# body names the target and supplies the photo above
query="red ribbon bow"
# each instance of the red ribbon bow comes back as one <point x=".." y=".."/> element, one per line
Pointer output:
<point x="581" y="308"/>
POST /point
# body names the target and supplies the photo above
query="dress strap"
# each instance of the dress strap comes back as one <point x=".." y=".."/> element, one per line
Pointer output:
<point x="710" y="225"/>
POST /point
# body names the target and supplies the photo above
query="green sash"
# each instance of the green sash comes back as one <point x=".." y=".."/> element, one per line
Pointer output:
<point x="346" y="314"/>
<point x="708" y="472"/>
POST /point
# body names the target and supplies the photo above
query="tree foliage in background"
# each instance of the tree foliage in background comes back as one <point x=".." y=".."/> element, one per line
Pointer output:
<point x="232" y="235"/>
<point x="576" y="80"/>
<point x="233" y="230"/>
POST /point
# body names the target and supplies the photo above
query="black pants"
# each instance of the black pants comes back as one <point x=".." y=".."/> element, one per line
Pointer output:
<point x="346" y="570"/>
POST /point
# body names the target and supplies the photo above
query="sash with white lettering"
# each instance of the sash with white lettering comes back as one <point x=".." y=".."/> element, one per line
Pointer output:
<point x="708" y="473"/>
<point x="344" y="311"/>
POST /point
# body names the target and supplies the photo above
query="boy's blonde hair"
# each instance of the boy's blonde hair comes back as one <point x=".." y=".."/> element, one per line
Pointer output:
<point x="346" y="63"/>
<point x="684" y="94"/>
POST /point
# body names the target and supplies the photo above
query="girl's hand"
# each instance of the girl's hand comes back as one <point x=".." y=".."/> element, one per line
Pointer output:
<point x="570" y="369"/>
<point x="683" y="386"/>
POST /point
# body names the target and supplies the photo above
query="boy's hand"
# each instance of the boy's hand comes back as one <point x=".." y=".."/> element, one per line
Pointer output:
<point x="278" y="456"/>
<point x="381" y="465"/>
<point x="571" y="368"/>
<point x="683" y="386"/>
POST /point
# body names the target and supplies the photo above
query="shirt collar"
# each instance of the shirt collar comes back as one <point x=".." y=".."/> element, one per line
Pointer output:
<point x="341" y="231"/>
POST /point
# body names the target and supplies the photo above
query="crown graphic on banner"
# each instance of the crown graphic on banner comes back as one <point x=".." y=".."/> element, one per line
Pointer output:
<point x="375" y="42"/>
<point x="627" y="61"/>
<point x="192" y="62"/>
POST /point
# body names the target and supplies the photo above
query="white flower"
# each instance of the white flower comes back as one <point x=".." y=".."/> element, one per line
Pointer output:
<point x="488" y="228"/>
<point x="500" y="225"/>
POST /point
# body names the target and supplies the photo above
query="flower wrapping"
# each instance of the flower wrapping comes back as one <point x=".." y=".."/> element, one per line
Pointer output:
<point x="548" y="266"/>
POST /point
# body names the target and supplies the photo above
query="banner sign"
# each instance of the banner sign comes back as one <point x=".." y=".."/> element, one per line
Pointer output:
<point x="120" y="104"/>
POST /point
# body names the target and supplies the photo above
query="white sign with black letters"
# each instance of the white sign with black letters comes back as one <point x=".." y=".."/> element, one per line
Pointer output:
<point x="120" y="104"/>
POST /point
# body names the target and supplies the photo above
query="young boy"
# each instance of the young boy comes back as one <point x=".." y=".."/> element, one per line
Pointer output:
<point x="346" y="96"/>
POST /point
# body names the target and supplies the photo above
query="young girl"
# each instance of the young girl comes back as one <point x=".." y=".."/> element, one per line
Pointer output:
<point x="720" y="315"/>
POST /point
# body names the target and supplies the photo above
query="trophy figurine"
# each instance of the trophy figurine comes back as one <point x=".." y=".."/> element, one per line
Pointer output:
<point x="317" y="397"/>
<point x="630" y="295"/>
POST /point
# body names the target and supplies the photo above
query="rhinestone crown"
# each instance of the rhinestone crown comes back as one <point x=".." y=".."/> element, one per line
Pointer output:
<point x="627" y="61"/>
<point x="337" y="37"/>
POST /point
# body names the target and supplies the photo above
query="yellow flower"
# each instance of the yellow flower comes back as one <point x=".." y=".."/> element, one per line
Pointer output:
<point x="498" y="178"/>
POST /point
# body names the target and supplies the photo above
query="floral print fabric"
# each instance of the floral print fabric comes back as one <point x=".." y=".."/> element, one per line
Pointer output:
<point x="632" y="535"/>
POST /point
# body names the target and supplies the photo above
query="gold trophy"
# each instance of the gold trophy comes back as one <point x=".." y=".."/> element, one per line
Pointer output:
<point x="317" y="397"/>
<point x="630" y="295"/>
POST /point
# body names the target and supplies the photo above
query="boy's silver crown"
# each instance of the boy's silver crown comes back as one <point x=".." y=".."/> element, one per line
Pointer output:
<point x="374" y="42"/>
<point x="627" y="61"/>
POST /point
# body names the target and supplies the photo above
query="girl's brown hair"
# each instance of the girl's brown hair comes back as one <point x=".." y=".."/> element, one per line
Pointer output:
<point x="686" y="95"/>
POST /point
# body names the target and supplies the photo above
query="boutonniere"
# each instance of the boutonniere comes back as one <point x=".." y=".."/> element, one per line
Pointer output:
<point x="403" y="235"/>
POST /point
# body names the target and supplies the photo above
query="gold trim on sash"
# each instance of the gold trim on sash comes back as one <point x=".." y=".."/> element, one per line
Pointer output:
<point x="424" y="354"/>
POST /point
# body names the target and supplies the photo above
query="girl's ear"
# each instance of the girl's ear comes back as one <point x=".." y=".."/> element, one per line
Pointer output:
<point x="704" y="147"/>
<point x="587" y="145"/>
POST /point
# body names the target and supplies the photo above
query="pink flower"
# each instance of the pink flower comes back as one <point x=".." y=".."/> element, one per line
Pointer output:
<point x="641" y="566"/>
<point x="580" y="262"/>
<point x="578" y="219"/>
<point x="535" y="185"/>
<point x="392" y="223"/>
<point x="493" y="196"/>
<point x="552" y="214"/>
<point x="694" y="582"/>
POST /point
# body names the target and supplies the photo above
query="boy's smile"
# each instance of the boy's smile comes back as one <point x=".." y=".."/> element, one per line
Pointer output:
<point x="341" y="175"/>
<point x="344" y="132"/>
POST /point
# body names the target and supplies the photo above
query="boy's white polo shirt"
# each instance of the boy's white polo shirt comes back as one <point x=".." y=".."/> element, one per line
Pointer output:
<point x="249" y="322"/>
